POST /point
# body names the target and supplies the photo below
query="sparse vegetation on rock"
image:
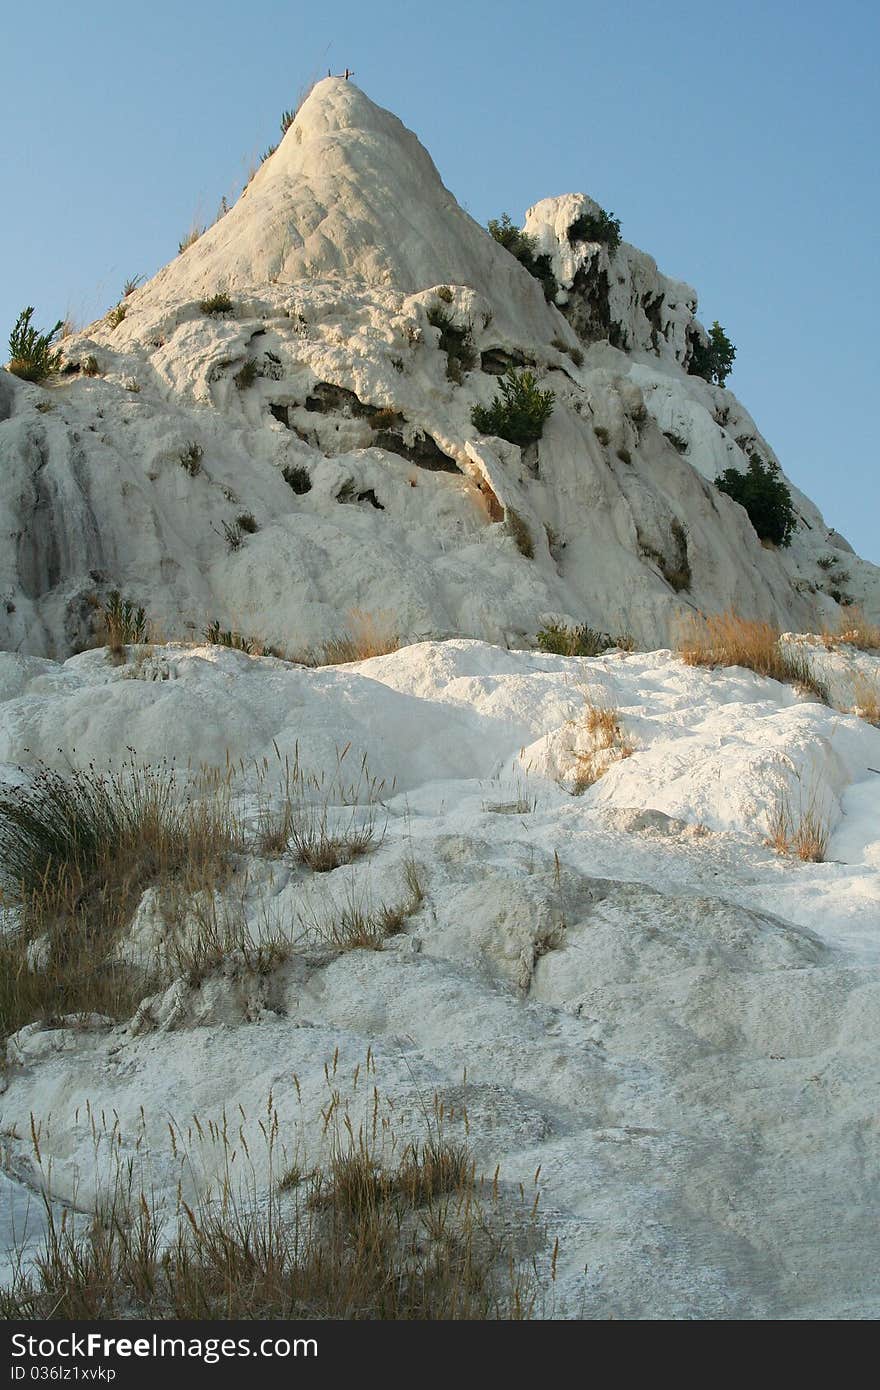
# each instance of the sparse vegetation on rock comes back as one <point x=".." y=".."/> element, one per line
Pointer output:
<point x="525" y="249"/>
<point x="456" y="341"/>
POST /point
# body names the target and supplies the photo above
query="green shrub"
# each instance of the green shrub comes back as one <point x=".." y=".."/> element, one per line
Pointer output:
<point x="600" y="226"/>
<point x="713" y="361"/>
<point x="525" y="249"/>
<point x="520" y="413"/>
<point x="117" y="314"/>
<point x="287" y="120"/>
<point x="30" y="352"/>
<point x="765" y="496"/>
<point x="217" y="304"/>
<point x="573" y="641"/>
<point x="247" y="523"/>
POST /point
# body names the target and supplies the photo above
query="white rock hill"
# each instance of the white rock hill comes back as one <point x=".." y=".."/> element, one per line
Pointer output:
<point x="333" y="256"/>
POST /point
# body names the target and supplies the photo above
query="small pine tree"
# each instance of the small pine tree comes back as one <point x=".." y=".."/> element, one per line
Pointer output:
<point x="713" y="361"/>
<point x="519" y="414"/>
<point x="30" y="352"/>
<point x="766" y="497"/>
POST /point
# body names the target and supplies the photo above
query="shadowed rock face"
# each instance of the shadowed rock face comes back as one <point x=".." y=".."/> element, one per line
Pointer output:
<point x="336" y="259"/>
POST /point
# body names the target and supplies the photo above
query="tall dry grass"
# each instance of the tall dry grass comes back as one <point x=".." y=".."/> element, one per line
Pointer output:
<point x="726" y="639"/>
<point x="366" y="634"/>
<point x="853" y="629"/>
<point x="866" y="693"/>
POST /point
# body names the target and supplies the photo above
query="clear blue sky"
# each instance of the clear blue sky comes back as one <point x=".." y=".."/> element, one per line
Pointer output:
<point x="737" y="143"/>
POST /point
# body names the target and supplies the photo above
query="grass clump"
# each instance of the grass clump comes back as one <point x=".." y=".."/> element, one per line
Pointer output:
<point x="866" y="693"/>
<point x="608" y="744"/>
<point x="191" y="238"/>
<point x="855" y="630"/>
<point x="803" y="835"/>
<point x="191" y="458"/>
<point x="247" y="374"/>
<point x="247" y="523"/>
<point x="575" y="641"/>
<point x="766" y="497"/>
<point x="456" y="341"/>
<point x="297" y="478"/>
<point x="219" y="303"/>
<point x="357" y="926"/>
<point x="117" y="314"/>
<point x="233" y="535"/>
<point x="122" y="623"/>
<point x="525" y="249"/>
<point x="520" y="532"/>
<point x="226" y="637"/>
<point x="218" y="636"/>
<point x="599" y="226"/>
<point x="726" y="639"/>
<point x="385" y="419"/>
<point x="77" y="852"/>
<point x="519" y="413"/>
<point x="30" y="352"/>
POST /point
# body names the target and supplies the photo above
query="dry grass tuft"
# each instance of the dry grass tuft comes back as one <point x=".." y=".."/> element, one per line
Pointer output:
<point x="610" y="744"/>
<point x="726" y="639"/>
<point x="803" y="836"/>
<point x="366" y="634"/>
<point x="854" y="629"/>
<point x="357" y="926"/>
<point x="867" y="699"/>
<point x="121" y="623"/>
<point x="519" y="530"/>
<point x="322" y="822"/>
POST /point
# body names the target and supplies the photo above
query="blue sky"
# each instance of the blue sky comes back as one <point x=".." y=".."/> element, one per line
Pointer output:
<point x="737" y="144"/>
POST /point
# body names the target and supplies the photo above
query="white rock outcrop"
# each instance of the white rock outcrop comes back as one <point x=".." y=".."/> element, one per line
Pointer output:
<point x="335" y="258"/>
